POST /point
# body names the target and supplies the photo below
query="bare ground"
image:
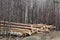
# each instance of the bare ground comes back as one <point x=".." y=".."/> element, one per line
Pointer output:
<point x="55" y="35"/>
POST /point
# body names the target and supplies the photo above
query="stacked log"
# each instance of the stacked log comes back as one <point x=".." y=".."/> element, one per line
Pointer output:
<point x="17" y="28"/>
<point x="24" y="29"/>
<point x="43" y="27"/>
<point x="21" y="32"/>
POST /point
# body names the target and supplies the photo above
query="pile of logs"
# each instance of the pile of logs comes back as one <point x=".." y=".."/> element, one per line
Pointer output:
<point x="21" y="29"/>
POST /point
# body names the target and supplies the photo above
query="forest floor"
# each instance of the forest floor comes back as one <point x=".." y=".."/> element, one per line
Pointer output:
<point x="54" y="35"/>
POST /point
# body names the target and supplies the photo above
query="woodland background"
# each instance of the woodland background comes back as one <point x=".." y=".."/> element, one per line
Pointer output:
<point x="31" y="11"/>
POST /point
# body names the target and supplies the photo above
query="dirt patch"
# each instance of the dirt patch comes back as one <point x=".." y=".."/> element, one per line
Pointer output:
<point x="44" y="36"/>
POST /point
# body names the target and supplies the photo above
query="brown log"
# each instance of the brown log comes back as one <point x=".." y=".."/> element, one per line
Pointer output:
<point x="13" y="23"/>
<point x="23" y="31"/>
<point x="14" y="26"/>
